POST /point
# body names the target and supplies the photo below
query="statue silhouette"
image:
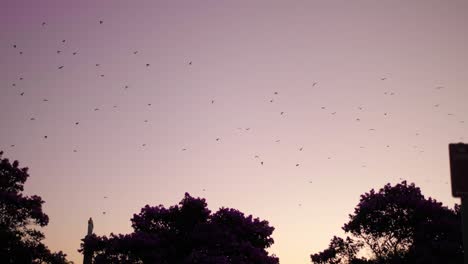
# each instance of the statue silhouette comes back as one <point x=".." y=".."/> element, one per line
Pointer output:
<point x="87" y="258"/>
<point x="90" y="226"/>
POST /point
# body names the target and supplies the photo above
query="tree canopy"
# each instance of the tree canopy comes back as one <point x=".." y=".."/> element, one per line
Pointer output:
<point x="397" y="224"/>
<point x="20" y="242"/>
<point x="186" y="233"/>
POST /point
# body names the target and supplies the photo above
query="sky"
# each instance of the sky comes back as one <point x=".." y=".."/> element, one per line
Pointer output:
<point x="372" y="91"/>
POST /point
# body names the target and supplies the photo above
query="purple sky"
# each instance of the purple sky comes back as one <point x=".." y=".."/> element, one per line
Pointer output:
<point x="242" y="53"/>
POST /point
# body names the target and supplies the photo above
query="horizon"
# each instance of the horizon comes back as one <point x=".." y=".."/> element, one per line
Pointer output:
<point x="285" y="111"/>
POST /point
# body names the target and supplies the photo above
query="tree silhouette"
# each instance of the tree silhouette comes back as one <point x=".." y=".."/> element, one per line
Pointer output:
<point x="398" y="224"/>
<point x="20" y="242"/>
<point x="186" y="233"/>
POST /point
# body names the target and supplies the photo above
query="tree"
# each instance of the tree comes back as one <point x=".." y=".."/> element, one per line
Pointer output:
<point x="398" y="224"/>
<point x="20" y="242"/>
<point x="186" y="233"/>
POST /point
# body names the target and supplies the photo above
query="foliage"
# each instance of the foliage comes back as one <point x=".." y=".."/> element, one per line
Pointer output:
<point x="19" y="241"/>
<point x="186" y="233"/>
<point x="398" y="224"/>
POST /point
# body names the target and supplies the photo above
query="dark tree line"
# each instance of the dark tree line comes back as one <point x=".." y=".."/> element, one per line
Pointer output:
<point x="20" y="241"/>
<point x="394" y="225"/>
<point x="186" y="233"/>
<point x="397" y="224"/>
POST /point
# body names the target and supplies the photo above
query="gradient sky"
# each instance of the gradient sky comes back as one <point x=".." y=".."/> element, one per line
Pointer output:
<point x="242" y="53"/>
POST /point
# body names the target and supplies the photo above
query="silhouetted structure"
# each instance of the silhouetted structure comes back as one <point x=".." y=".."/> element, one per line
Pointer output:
<point x="87" y="254"/>
<point x="90" y="226"/>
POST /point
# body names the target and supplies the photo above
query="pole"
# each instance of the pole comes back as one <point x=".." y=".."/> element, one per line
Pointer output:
<point x="464" y="213"/>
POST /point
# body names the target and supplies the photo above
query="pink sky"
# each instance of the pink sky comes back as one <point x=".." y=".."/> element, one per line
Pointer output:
<point x="242" y="52"/>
